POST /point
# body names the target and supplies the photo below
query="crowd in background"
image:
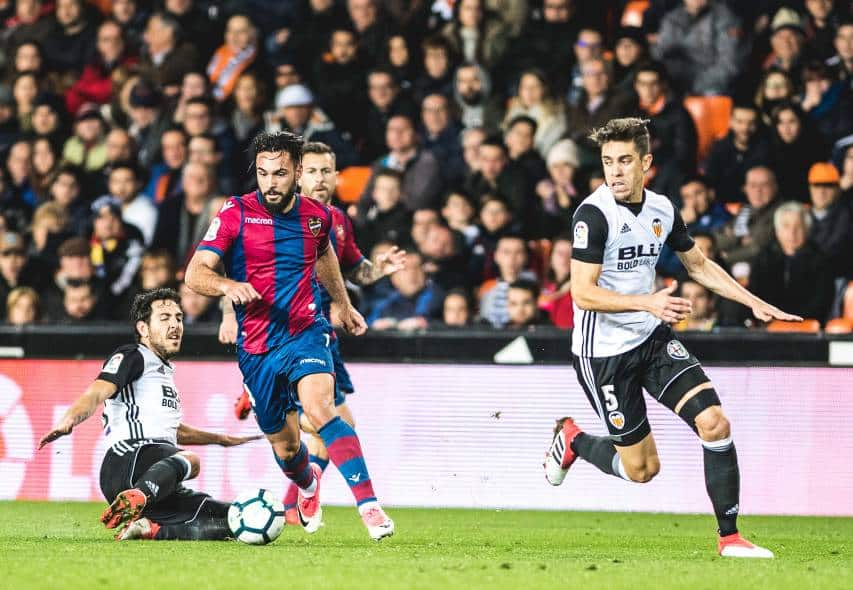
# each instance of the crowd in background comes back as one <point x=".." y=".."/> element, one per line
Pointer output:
<point x="125" y="124"/>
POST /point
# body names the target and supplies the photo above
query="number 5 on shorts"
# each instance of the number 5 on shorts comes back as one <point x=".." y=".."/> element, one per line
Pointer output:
<point x="610" y="401"/>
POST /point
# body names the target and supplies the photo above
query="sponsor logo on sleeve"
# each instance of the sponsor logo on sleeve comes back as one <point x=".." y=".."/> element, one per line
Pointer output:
<point x="581" y="235"/>
<point x="113" y="364"/>
<point x="213" y="230"/>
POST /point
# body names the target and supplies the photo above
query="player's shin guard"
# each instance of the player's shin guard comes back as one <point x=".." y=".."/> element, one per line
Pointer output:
<point x="162" y="478"/>
<point x="210" y="524"/>
<point x="599" y="451"/>
<point x="722" y="480"/>
<point x="345" y="452"/>
<point x="298" y="469"/>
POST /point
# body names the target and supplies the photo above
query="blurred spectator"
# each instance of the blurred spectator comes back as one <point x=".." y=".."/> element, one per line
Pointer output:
<point x="496" y="220"/>
<point x="25" y="88"/>
<point x="441" y="136"/>
<point x="456" y="309"/>
<point x="511" y="260"/>
<point x="703" y="316"/>
<point x="522" y="311"/>
<point x="422" y="221"/>
<point x="445" y="257"/>
<point x="832" y="221"/>
<point x="202" y="27"/>
<point x="22" y="306"/>
<point x="132" y="19"/>
<point x="137" y="209"/>
<point x="157" y="270"/>
<point x="372" y="30"/>
<point x="246" y="120"/>
<point x="519" y="141"/>
<point x="437" y="76"/>
<point x="751" y="231"/>
<point x="472" y="139"/>
<point x="673" y="135"/>
<point x="841" y="64"/>
<point x="299" y="45"/>
<point x="828" y="103"/>
<point x="556" y="296"/>
<point x="534" y="100"/>
<point x="16" y="269"/>
<point x="202" y="149"/>
<point x="87" y="147"/>
<point x="598" y="103"/>
<point x="421" y="171"/>
<point x="341" y="81"/>
<point x="847" y="176"/>
<point x="164" y="181"/>
<point x="702" y="44"/>
<point x="75" y="264"/>
<point x="459" y="213"/>
<point x="104" y="73"/>
<point x="43" y="164"/>
<point x="477" y="35"/>
<point x="742" y="149"/>
<point x="47" y="231"/>
<point x="19" y="165"/>
<point x="558" y="193"/>
<point x="165" y="57"/>
<point x="71" y="43"/>
<point x="116" y="247"/>
<point x="386" y="217"/>
<point x="792" y="273"/>
<point x="183" y="219"/>
<point x="385" y="99"/>
<point x="498" y="175"/>
<point x="796" y="146"/>
<point x="412" y="304"/>
<point x="148" y="122"/>
<point x="194" y="84"/>
<point x="65" y="191"/>
<point x="80" y="303"/>
<point x="197" y="308"/>
<point x="31" y="22"/>
<point x="296" y="112"/>
<point x="234" y="57"/>
<point x="821" y="26"/>
<point x="48" y="117"/>
<point x="472" y="92"/>
<point x="787" y="38"/>
<point x="775" y="89"/>
<point x="588" y="46"/>
<point x="630" y="51"/>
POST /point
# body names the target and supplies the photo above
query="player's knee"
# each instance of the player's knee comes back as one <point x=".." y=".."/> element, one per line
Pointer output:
<point x="195" y="463"/>
<point x="713" y="424"/>
<point x="286" y="449"/>
<point x="642" y="471"/>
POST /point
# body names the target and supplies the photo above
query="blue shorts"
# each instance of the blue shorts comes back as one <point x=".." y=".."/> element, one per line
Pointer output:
<point x="343" y="383"/>
<point x="270" y="378"/>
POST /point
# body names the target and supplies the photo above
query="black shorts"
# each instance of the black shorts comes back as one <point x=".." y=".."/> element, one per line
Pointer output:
<point x="125" y="462"/>
<point x="614" y="385"/>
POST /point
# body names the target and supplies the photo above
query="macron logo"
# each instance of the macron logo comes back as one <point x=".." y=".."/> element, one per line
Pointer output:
<point x="259" y="220"/>
<point x="315" y="361"/>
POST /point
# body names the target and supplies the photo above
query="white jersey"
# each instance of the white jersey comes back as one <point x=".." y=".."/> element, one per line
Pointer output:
<point x="147" y="404"/>
<point x="627" y="241"/>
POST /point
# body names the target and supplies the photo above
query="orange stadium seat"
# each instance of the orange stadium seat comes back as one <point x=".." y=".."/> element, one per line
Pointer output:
<point x="808" y="326"/>
<point x="351" y="183"/>
<point x="848" y="302"/>
<point x="634" y="12"/>
<point x="711" y="117"/>
<point x="733" y="208"/>
<point x="839" y="326"/>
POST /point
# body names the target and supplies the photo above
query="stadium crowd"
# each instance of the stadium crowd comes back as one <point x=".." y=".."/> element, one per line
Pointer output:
<point x="124" y="124"/>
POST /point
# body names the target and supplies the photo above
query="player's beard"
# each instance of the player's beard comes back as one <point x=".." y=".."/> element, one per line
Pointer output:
<point x="276" y="208"/>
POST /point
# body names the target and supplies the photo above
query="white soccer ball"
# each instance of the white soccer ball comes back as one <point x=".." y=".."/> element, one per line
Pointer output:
<point x="256" y="517"/>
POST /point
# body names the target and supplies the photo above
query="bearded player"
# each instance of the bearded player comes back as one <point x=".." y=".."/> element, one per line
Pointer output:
<point x="622" y="342"/>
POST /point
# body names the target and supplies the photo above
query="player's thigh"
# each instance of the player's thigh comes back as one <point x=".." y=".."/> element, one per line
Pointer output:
<point x="309" y="371"/>
<point x="267" y="390"/>
<point x="613" y="388"/>
<point x="124" y="463"/>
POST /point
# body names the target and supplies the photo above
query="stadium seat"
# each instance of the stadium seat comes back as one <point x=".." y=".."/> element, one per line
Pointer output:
<point x="633" y="14"/>
<point x="733" y="208"/>
<point x="839" y="326"/>
<point x="351" y="183"/>
<point x="848" y="302"/>
<point x="540" y="256"/>
<point x="487" y="286"/>
<point x="711" y="116"/>
<point x="808" y="326"/>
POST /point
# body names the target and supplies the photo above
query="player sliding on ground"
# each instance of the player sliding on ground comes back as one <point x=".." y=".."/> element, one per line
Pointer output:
<point x="271" y="242"/>
<point x="143" y="469"/>
<point x="622" y="341"/>
<point x="318" y="181"/>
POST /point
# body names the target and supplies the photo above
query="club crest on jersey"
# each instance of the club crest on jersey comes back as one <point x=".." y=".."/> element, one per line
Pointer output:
<point x="676" y="350"/>
<point x="339" y="231"/>
<point x="657" y="227"/>
<point x="315" y="225"/>
<point x="617" y="419"/>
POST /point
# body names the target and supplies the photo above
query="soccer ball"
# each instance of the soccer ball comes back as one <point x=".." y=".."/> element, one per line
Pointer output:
<point x="256" y="517"/>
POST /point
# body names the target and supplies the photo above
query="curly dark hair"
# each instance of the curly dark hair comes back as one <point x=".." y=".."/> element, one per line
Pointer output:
<point x="282" y="141"/>
<point x="626" y="129"/>
<point x="140" y="310"/>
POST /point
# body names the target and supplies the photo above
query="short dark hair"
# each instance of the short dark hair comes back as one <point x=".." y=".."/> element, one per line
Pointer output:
<point x="280" y="141"/>
<point x="391" y="173"/>
<point x="126" y="165"/>
<point x="494" y="141"/>
<point x="700" y="178"/>
<point x="655" y="67"/>
<point x="523" y="119"/>
<point x="140" y="310"/>
<point x="318" y="147"/>
<point x="626" y="129"/>
<point x="528" y="285"/>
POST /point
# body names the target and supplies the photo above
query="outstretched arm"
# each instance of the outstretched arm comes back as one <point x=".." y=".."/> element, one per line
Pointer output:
<point x="329" y="273"/>
<point x="187" y="435"/>
<point x="386" y="264"/>
<point x="709" y="273"/>
<point x="82" y="408"/>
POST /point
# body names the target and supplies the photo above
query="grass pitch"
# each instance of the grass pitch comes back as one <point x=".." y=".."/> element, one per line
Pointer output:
<point x="63" y="546"/>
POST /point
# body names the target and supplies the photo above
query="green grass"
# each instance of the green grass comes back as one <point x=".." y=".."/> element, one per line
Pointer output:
<point x="62" y="546"/>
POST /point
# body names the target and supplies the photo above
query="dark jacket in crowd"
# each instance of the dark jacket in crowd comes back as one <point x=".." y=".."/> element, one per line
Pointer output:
<point x="727" y="166"/>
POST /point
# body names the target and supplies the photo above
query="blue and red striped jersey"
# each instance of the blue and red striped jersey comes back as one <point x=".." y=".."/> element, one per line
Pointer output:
<point x="276" y="255"/>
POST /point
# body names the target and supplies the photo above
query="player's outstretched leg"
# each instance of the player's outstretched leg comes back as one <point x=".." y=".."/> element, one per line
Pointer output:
<point x="570" y="442"/>
<point x="306" y="477"/>
<point x="124" y="510"/>
<point x="209" y="523"/>
<point x="701" y="409"/>
<point x="318" y="455"/>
